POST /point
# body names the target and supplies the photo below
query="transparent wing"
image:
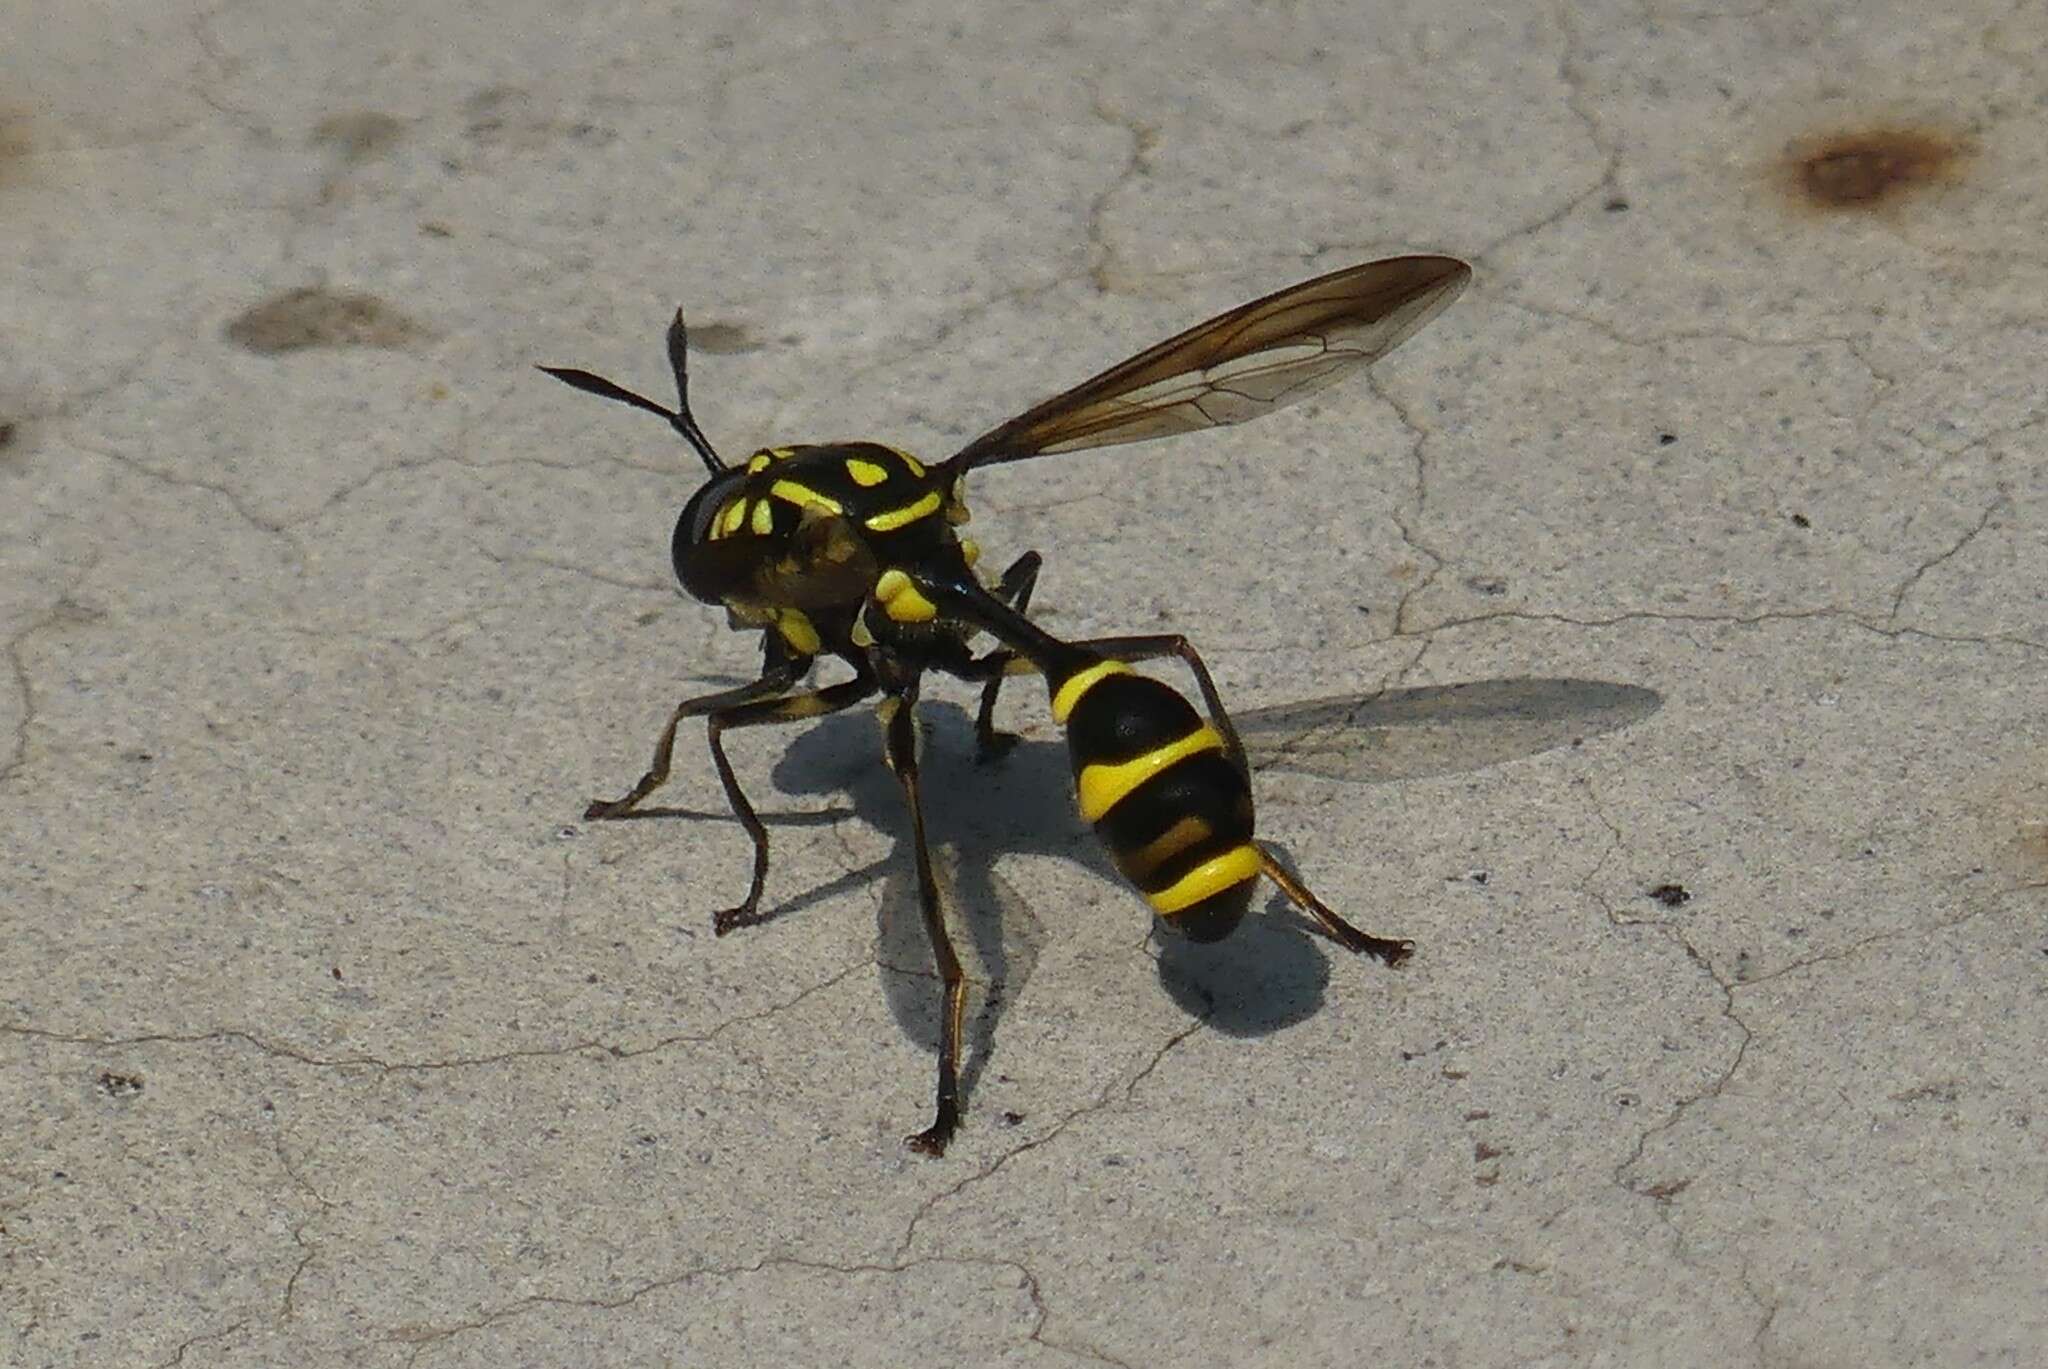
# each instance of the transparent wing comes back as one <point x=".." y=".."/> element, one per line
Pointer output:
<point x="1257" y="358"/>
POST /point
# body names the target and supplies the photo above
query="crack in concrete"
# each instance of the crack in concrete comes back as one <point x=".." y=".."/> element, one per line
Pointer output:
<point x="63" y="609"/>
<point x="662" y="587"/>
<point x="178" y="1356"/>
<point x="288" y="1306"/>
<point x="371" y="1062"/>
<point x="1101" y="1101"/>
<point x="1405" y="523"/>
<point x="1571" y="74"/>
<point x="421" y="1338"/>
<point x="1676" y="935"/>
<point x="1623" y="1175"/>
<point x="1103" y="273"/>
<point x="1912" y="580"/>
<point x="1851" y="343"/>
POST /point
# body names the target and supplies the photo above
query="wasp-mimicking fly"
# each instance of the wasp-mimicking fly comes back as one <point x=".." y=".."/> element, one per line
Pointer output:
<point x="849" y="550"/>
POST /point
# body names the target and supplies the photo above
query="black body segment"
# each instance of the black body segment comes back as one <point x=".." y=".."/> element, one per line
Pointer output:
<point x="848" y="552"/>
<point x="1166" y="798"/>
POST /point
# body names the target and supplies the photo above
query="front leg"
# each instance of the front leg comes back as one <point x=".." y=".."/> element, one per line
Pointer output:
<point x="777" y="677"/>
<point x="1013" y="589"/>
<point x="815" y="703"/>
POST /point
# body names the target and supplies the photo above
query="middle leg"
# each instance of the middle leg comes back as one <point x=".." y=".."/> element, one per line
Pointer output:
<point x="899" y="735"/>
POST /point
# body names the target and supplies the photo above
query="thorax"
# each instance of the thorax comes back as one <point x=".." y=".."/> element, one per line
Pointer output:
<point x="813" y="541"/>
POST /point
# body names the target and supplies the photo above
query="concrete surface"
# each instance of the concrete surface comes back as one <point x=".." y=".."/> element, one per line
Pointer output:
<point x="331" y="1037"/>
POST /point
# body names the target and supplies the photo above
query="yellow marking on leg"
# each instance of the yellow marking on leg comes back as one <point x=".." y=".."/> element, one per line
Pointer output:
<point x="866" y="474"/>
<point x="1080" y="682"/>
<point x="734" y="517"/>
<point x="970" y="550"/>
<point x="1188" y="832"/>
<point x="891" y="519"/>
<point x="804" y="706"/>
<point x="1102" y="786"/>
<point x="758" y="462"/>
<point x="902" y="600"/>
<point x="797" y="630"/>
<point x="1233" y="867"/>
<point x="859" y="633"/>
<point x="803" y="496"/>
<point x="762" y="520"/>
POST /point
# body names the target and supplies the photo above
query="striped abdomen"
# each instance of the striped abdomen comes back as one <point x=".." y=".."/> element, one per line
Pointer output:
<point x="1164" y="794"/>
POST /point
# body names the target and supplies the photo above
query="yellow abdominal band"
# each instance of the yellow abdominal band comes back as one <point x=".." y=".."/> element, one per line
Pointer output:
<point x="1080" y="682"/>
<point x="1101" y="786"/>
<point x="1233" y="867"/>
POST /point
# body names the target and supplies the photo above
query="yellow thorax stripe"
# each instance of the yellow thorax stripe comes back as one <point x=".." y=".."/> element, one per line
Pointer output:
<point x="1080" y="682"/>
<point x="1233" y="867"/>
<point x="803" y="496"/>
<point x="891" y="519"/>
<point x="1102" y="786"/>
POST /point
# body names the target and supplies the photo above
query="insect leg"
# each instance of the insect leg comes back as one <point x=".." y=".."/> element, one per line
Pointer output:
<point x="777" y="676"/>
<point x="1173" y="644"/>
<point x="899" y="731"/>
<point x="815" y="703"/>
<point x="1013" y="589"/>
<point x="1392" y="950"/>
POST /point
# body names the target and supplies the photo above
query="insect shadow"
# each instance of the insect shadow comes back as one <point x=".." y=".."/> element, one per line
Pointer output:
<point x="1269" y="975"/>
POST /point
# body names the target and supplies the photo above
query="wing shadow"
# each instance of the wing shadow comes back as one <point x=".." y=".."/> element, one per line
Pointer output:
<point x="1271" y="973"/>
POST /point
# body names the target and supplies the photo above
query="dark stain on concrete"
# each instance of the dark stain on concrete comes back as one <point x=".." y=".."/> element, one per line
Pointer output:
<point x="358" y="135"/>
<point x="312" y="317"/>
<point x="1862" y="171"/>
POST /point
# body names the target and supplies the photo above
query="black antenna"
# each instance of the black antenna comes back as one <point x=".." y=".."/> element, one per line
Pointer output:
<point x="678" y="418"/>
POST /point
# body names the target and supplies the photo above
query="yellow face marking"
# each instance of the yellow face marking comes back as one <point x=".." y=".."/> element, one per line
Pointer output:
<point x="911" y="463"/>
<point x="796" y="629"/>
<point x="758" y="462"/>
<point x="891" y="519"/>
<point x="1101" y="787"/>
<point x="902" y="600"/>
<point x="734" y="517"/>
<point x="762" y="520"/>
<point x="1233" y="867"/>
<point x="1188" y="832"/>
<point x="866" y="474"/>
<point x="803" y="496"/>
<point x="1080" y="682"/>
<point x="860" y="634"/>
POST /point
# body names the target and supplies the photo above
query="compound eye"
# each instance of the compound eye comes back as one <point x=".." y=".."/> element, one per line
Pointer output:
<point x="693" y="528"/>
